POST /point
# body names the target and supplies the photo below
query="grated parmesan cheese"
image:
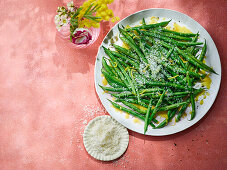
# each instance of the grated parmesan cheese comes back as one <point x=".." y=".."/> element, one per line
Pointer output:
<point x="105" y="137"/>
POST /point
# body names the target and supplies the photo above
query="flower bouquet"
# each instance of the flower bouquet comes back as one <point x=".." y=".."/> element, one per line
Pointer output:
<point x="81" y="25"/>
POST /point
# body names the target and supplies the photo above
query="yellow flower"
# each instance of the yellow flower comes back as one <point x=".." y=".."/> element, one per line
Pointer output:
<point x="103" y="12"/>
<point x="110" y="1"/>
<point x="80" y="24"/>
<point x="107" y="18"/>
<point x="110" y="13"/>
<point x="96" y="25"/>
<point x="115" y="19"/>
<point x="103" y="7"/>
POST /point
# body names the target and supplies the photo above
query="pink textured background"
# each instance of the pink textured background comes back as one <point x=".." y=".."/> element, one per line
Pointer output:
<point x="47" y="94"/>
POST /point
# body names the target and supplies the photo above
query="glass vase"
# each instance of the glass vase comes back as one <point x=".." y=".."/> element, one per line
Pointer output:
<point x="64" y="33"/>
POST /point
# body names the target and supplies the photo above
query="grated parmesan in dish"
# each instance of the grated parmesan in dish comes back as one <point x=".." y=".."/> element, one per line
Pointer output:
<point x="105" y="139"/>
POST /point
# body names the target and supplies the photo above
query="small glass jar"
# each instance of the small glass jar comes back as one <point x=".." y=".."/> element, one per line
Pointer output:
<point x="65" y="34"/>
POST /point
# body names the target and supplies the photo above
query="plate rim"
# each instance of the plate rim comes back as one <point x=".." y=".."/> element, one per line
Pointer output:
<point x="219" y="61"/>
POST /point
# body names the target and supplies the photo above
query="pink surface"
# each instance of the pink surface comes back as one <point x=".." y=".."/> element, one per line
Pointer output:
<point x="47" y="94"/>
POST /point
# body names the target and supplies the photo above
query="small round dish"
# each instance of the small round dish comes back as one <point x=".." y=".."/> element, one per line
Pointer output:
<point x="99" y="124"/>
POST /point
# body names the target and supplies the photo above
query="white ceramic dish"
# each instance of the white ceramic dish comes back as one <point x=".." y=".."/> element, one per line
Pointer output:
<point x="212" y="60"/>
<point x="123" y="142"/>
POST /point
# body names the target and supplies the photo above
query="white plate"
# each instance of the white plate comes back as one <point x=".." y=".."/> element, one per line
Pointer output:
<point x="212" y="60"/>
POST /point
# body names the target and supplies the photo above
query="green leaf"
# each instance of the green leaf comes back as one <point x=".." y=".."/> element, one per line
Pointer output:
<point x="95" y="8"/>
<point x="77" y="12"/>
<point x="88" y="9"/>
<point x="93" y="18"/>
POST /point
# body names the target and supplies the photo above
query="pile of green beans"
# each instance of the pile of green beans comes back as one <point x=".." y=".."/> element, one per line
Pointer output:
<point x="157" y="73"/>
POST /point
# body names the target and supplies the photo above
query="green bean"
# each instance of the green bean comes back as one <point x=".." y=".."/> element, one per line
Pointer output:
<point x="111" y="83"/>
<point x="165" y="122"/>
<point x="169" y="52"/>
<point x="134" y="47"/>
<point x="173" y="113"/>
<point x="157" y="106"/>
<point x="106" y="67"/>
<point x="172" y="71"/>
<point x="126" y="35"/>
<point x="201" y="58"/>
<point x="120" y="89"/>
<point x="111" y="67"/>
<point x="164" y="44"/>
<point x="179" y="33"/>
<point x="178" y="70"/>
<point x="145" y="101"/>
<point x="120" y="75"/>
<point x="132" y="101"/>
<point x="166" y="84"/>
<point x="128" y="93"/>
<point x="169" y="113"/>
<point x="153" y="95"/>
<point x="149" y="26"/>
<point x="195" y="61"/>
<point x="184" y="107"/>
<point x="174" y="36"/>
<point x="191" y="98"/>
<point x="147" y="117"/>
<point x="134" y="107"/>
<point x="134" y="84"/>
<point x="113" y="79"/>
<point x="143" y="22"/>
<point x="168" y="76"/>
<point x="195" y="51"/>
<point x="148" y="90"/>
<point x="138" y="103"/>
<point x="179" y="60"/>
<point x="193" y="106"/>
<point x="121" y="72"/>
<point x="162" y="124"/>
<point x="182" y="110"/>
<point x="126" y="51"/>
<point x="202" y="55"/>
<point x="177" y="97"/>
<point x="170" y="107"/>
<point x="123" y="63"/>
<point x="133" y="63"/>
<point x="191" y="49"/>
<point x="142" y="47"/>
<point x="129" y="111"/>
<point x="169" y="40"/>
<point x="122" y="95"/>
<point x="131" y="84"/>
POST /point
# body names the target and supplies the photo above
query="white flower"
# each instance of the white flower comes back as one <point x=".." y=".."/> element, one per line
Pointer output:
<point x="58" y="22"/>
<point x="57" y="19"/>
<point x="64" y="20"/>
<point x="70" y="6"/>
<point x="58" y="27"/>
<point x="63" y="17"/>
<point x="61" y="10"/>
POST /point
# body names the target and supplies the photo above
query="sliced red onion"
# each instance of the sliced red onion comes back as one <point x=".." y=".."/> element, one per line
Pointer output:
<point x="81" y="36"/>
